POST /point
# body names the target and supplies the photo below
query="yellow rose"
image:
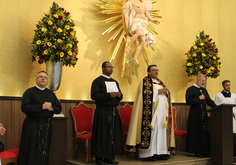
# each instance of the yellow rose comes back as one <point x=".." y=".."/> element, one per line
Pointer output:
<point x="49" y="44"/>
<point x="203" y="54"/>
<point x="49" y="22"/>
<point x="59" y="30"/>
<point x="70" y="53"/>
<point x="208" y="71"/>
<point x="55" y="15"/>
<point x="191" y="71"/>
<point x="69" y="45"/>
<point x="72" y="33"/>
<point x="194" y="54"/>
<point x="195" y="47"/>
<point x="61" y="54"/>
<point x="214" y="57"/>
<point x="217" y="56"/>
<point x="201" y="44"/>
<point x="45" y="51"/>
<point x="38" y="42"/>
<point x="44" y="29"/>
<point x="59" y="41"/>
<point x="37" y="58"/>
<point x="201" y="67"/>
<point x="67" y="27"/>
<point x="212" y="68"/>
<point x="189" y="64"/>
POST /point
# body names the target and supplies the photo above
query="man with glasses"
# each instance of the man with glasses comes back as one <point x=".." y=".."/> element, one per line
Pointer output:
<point x="39" y="104"/>
<point x="107" y="95"/>
<point x="151" y="124"/>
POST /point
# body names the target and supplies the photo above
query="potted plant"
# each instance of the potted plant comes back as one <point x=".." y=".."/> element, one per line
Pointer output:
<point x="203" y="57"/>
<point x="55" y="42"/>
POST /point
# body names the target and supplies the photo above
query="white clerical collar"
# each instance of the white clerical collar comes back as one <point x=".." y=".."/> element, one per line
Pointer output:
<point x="154" y="80"/>
<point x="40" y="88"/>
<point x="196" y="85"/>
<point x="226" y="91"/>
<point x="106" y="76"/>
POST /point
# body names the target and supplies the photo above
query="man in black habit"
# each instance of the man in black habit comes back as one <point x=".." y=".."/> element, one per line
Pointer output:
<point x="39" y="104"/>
<point x="107" y="95"/>
<point x="197" y="139"/>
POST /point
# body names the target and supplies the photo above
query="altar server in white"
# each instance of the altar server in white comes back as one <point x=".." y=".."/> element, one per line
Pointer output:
<point x="227" y="97"/>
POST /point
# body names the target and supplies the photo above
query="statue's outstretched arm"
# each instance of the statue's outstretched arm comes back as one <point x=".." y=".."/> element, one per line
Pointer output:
<point x="149" y="6"/>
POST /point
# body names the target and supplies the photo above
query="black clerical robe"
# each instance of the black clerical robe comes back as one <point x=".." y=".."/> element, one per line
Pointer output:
<point x="36" y="129"/>
<point x="106" y="120"/>
<point x="197" y="139"/>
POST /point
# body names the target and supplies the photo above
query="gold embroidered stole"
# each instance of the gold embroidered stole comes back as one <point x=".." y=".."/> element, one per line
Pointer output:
<point x="147" y="112"/>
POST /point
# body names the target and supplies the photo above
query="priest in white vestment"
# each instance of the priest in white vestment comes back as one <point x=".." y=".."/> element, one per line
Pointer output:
<point x="151" y="124"/>
<point x="227" y="97"/>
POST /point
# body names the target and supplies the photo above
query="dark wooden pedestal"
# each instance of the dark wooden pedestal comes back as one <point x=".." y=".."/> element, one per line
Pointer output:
<point x="221" y="131"/>
<point x="57" y="153"/>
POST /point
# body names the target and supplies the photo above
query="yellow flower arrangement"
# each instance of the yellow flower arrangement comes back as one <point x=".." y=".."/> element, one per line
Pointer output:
<point x="55" y="38"/>
<point x="203" y="58"/>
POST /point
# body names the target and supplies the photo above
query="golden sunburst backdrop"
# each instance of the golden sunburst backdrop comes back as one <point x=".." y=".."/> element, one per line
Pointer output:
<point x="113" y="10"/>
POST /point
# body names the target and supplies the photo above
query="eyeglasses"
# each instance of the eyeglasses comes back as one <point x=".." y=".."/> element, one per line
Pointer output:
<point x="109" y="67"/>
<point x="155" y="70"/>
<point x="42" y="77"/>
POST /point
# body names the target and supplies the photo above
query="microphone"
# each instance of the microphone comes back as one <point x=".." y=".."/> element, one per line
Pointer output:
<point x="201" y="91"/>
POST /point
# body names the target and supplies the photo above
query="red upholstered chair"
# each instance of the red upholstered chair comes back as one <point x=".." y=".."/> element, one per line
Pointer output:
<point x="125" y="114"/>
<point x="178" y="133"/>
<point x="9" y="156"/>
<point x="82" y="116"/>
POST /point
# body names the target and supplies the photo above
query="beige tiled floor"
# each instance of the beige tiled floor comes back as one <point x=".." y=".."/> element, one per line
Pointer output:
<point x="130" y="159"/>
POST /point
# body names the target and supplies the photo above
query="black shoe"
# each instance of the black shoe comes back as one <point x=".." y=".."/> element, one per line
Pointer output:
<point x="165" y="157"/>
<point x="100" y="162"/>
<point x="199" y="155"/>
<point x="152" y="158"/>
<point x="109" y="161"/>
<point x="162" y="157"/>
<point x="206" y="155"/>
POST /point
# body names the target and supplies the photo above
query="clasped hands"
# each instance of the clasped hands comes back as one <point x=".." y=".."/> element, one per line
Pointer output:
<point x="162" y="91"/>
<point x="48" y="106"/>
<point x="2" y="129"/>
<point x="114" y="94"/>
<point x="202" y="97"/>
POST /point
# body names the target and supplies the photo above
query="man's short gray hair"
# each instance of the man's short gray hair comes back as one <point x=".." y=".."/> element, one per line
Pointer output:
<point x="200" y="75"/>
<point x="42" y="71"/>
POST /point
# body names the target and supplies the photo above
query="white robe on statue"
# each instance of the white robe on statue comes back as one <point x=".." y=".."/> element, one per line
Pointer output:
<point x="220" y="99"/>
<point x="158" y="143"/>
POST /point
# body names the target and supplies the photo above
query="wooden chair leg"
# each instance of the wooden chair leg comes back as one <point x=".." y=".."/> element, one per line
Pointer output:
<point x="87" y="150"/>
<point x="136" y="154"/>
<point x="121" y="146"/>
<point x="176" y="141"/>
<point x="76" y="150"/>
